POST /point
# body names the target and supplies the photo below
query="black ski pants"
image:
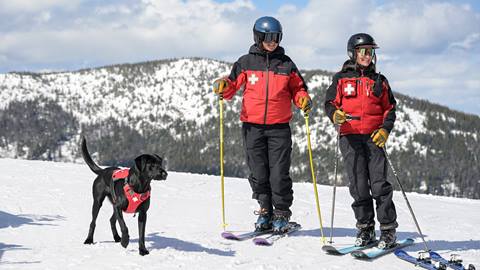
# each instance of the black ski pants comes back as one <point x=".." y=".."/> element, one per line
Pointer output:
<point x="268" y="149"/>
<point x="366" y="167"/>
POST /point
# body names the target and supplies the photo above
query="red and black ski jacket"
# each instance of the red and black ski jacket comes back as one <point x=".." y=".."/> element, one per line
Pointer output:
<point x="270" y="82"/>
<point x="363" y="93"/>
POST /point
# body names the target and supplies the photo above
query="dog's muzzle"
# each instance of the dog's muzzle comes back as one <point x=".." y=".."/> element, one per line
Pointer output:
<point x="161" y="176"/>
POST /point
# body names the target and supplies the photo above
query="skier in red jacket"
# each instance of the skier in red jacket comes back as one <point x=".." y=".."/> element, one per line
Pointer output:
<point x="358" y="90"/>
<point x="270" y="82"/>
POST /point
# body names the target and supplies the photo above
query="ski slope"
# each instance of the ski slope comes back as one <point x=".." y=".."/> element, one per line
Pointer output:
<point x="45" y="214"/>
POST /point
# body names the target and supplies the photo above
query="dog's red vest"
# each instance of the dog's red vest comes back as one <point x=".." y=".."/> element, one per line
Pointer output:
<point x="134" y="199"/>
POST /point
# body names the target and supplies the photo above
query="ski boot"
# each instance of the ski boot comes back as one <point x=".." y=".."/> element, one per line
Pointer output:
<point x="264" y="220"/>
<point x="424" y="256"/>
<point x="280" y="220"/>
<point x="365" y="236"/>
<point x="387" y="239"/>
<point x="457" y="260"/>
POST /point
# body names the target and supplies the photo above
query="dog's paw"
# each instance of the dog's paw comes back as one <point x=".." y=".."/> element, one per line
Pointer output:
<point x="125" y="240"/>
<point x="117" y="238"/>
<point x="143" y="251"/>
<point x="88" y="241"/>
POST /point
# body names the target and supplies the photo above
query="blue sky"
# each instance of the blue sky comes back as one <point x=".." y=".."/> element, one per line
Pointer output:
<point x="429" y="49"/>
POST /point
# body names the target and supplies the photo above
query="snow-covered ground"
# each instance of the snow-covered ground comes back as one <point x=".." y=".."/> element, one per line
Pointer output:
<point x="45" y="214"/>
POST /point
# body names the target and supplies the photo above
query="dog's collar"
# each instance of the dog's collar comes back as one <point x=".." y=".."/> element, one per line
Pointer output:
<point x="134" y="199"/>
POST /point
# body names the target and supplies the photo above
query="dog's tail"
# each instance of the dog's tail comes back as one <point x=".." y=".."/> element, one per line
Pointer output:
<point x="88" y="159"/>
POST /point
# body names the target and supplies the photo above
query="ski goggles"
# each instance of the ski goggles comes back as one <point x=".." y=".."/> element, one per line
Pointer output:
<point x="271" y="37"/>
<point x="366" y="51"/>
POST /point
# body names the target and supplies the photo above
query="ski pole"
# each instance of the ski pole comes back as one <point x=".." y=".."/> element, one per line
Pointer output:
<point x="335" y="182"/>
<point x="222" y="181"/>
<point x="349" y="117"/>
<point x="313" y="176"/>
<point x="406" y="200"/>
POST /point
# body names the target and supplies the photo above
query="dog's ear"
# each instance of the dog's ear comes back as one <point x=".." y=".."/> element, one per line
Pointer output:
<point x="140" y="163"/>
<point x="159" y="158"/>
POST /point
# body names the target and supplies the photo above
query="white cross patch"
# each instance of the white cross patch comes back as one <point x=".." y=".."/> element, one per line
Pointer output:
<point x="349" y="89"/>
<point x="253" y="79"/>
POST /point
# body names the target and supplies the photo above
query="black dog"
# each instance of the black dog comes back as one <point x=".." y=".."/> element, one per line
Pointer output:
<point x="128" y="190"/>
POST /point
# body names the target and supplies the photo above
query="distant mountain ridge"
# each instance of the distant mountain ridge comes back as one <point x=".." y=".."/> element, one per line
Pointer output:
<point x="167" y="107"/>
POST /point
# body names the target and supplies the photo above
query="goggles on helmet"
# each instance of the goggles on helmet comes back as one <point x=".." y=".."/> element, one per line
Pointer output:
<point x="366" y="51"/>
<point x="271" y="37"/>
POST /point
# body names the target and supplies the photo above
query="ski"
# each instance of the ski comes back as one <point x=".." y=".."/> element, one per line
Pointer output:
<point x="456" y="265"/>
<point x="270" y="239"/>
<point x="375" y="252"/>
<point x="332" y="250"/>
<point x="244" y="236"/>
<point x="400" y="253"/>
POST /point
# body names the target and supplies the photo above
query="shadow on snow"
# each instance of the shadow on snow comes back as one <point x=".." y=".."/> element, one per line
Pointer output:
<point x="432" y="244"/>
<point x="161" y="242"/>
<point x="8" y="220"/>
<point x="7" y="247"/>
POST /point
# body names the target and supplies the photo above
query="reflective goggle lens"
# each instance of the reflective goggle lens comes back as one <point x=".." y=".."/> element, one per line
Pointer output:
<point x="275" y="37"/>
<point x="366" y="51"/>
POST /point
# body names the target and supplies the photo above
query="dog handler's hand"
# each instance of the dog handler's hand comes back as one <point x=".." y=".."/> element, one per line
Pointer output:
<point x="219" y="85"/>
<point x="305" y="104"/>
<point x="339" y="117"/>
<point x="379" y="137"/>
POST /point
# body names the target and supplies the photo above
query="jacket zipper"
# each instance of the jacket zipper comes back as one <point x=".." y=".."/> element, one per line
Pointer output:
<point x="363" y="101"/>
<point x="266" y="93"/>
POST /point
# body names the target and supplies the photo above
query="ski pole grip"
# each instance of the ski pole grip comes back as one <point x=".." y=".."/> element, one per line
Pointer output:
<point x="352" y="117"/>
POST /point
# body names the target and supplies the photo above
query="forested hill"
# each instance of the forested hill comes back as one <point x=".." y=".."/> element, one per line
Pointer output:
<point x="167" y="107"/>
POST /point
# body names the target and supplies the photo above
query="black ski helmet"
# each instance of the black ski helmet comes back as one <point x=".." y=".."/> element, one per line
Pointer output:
<point x="267" y="29"/>
<point x="360" y="39"/>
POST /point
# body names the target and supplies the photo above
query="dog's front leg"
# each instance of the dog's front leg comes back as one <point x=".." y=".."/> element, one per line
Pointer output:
<point x="123" y="227"/>
<point x="142" y="222"/>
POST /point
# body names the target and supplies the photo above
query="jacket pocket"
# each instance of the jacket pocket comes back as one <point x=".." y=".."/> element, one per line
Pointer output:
<point x="278" y="87"/>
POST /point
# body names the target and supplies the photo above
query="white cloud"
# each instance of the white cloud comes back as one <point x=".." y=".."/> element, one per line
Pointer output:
<point x="422" y="25"/>
<point x="470" y="42"/>
<point x="113" y="9"/>
<point x="324" y="24"/>
<point x="449" y="79"/>
<point x="150" y="29"/>
<point x="27" y="6"/>
<point x="427" y="47"/>
<point x="44" y="17"/>
<point x="473" y="84"/>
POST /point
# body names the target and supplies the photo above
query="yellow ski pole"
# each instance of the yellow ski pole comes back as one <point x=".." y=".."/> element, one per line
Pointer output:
<point x="313" y="177"/>
<point x="222" y="181"/>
